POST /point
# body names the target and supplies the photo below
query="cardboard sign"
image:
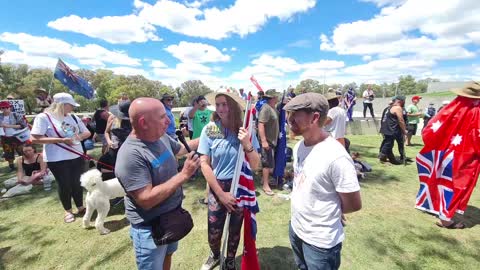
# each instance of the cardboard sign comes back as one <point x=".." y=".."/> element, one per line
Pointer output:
<point x="18" y="106"/>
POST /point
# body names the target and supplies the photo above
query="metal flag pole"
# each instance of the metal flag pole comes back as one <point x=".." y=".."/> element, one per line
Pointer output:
<point x="233" y="187"/>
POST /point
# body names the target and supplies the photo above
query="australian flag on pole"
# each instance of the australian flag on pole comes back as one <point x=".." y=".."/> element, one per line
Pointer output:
<point x="281" y="150"/>
<point x="72" y="81"/>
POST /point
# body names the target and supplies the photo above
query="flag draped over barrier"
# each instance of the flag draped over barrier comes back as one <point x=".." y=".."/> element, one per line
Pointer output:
<point x="75" y="83"/>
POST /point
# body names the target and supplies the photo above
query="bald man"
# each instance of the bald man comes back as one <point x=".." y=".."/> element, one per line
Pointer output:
<point x="147" y="168"/>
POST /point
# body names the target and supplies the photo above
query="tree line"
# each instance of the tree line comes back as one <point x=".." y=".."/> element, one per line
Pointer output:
<point x="21" y="81"/>
<point x="406" y="85"/>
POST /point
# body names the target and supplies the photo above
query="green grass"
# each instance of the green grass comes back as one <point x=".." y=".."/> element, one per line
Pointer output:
<point x="388" y="233"/>
<point x="439" y="94"/>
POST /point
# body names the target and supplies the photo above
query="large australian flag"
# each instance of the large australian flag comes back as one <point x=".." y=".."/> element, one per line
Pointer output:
<point x="448" y="165"/>
<point x="281" y="150"/>
<point x="75" y="83"/>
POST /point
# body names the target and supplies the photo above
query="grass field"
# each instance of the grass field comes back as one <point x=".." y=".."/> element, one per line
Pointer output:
<point x="388" y="233"/>
<point x="440" y="94"/>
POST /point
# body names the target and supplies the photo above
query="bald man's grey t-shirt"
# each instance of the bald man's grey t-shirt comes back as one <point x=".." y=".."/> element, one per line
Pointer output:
<point x="140" y="163"/>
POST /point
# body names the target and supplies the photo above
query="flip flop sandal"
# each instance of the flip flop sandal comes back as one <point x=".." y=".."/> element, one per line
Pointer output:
<point x="69" y="218"/>
<point x="454" y="225"/>
<point x="81" y="212"/>
<point x="268" y="192"/>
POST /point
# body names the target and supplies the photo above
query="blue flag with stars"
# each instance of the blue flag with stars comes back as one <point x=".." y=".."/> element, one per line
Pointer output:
<point x="281" y="150"/>
<point x="72" y="81"/>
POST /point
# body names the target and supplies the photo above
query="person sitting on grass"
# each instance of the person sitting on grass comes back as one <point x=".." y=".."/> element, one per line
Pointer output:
<point x="30" y="166"/>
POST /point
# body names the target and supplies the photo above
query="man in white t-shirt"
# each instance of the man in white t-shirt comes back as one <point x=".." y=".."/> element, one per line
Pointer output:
<point x="368" y="97"/>
<point x="325" y="186"/>
<point x="336" y="118"/>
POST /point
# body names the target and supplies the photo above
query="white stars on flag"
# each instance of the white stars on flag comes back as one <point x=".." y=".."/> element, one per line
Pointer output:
<point x="436" y="126"/>
<point x="456" y="140"/>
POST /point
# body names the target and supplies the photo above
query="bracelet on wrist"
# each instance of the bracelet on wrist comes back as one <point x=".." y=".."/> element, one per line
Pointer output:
<point x="249" y="150"/>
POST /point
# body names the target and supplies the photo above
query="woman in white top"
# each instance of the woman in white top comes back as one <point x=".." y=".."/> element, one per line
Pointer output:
<point x="61" y="134"/>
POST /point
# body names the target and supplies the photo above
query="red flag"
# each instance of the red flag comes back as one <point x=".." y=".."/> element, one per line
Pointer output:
<point x="449" y="165"/>
<point x="249" y="258"/>
<point x="254" y="81"/>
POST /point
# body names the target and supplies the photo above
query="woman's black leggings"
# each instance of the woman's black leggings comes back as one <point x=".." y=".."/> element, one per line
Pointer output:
<point x="67" y="174"/>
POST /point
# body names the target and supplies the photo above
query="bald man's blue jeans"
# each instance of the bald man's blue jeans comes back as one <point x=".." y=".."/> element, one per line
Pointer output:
<point x="314" y="258"/>
<point x="147" y="254"/>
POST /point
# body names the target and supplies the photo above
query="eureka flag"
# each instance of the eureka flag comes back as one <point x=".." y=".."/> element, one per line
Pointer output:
<point x="449" y="163"/>
<point x="75" y="83"/>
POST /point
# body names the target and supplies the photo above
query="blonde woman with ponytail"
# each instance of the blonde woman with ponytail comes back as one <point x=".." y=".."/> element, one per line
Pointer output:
<point x="61" y="133"/>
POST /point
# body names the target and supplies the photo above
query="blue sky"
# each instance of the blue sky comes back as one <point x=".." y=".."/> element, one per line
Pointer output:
<point x="223" y="43"/>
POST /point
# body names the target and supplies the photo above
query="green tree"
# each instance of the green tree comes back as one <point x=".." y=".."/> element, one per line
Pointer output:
<point x="406" y="85"/>
<point x="189" y="90"/>
<point x="309" y="85"/>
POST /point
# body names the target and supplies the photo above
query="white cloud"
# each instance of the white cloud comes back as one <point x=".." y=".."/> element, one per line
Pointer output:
<point x="218" y="24"/>
<point x="113" y="29"/>
<point x="233" y="49"/>
<point x="474" y="36"/>
<point x="197" y="53"/>
<point x="279" y="72"/>
<point x="324" y="64"/>
<point x="158" y="64"/>
<point x="283" y="64"/>
<point x="90" y="54"/>
<point x="224" y="49"/>
<point x="190" y="19"/>
<point x="129" y="71"/>
<point x="197" y="4"/>
<point x="381" y="3"/>
<point x="17" y="57"/>
<point x="394" y="32"/>
<point x="367" y="58"/>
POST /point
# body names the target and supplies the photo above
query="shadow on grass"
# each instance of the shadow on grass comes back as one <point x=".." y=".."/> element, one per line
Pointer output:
<point x="31" y="236"/>
<point x="430" y="244"/>
<point x="2" y="252"/>
<point x="36" y="193"/>
<point x="116" y="225"/>
<point x="278" y="257"/>
<point x="471" y="218"/>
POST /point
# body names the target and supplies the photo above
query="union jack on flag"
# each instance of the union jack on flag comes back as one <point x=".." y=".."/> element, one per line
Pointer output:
<point x="246" y="197"/>
<point x="435" y="169"/>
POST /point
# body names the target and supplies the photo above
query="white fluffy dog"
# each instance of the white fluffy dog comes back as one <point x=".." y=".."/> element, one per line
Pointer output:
<point x="98" y="197"/>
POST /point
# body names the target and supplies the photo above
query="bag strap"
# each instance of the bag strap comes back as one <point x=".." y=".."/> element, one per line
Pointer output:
<point x="74" y="151"/>
<point x="53" y="125"/>
<point x="82" y="143"/>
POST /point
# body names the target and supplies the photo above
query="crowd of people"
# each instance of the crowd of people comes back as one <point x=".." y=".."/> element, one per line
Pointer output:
<point x="140" y="147"/>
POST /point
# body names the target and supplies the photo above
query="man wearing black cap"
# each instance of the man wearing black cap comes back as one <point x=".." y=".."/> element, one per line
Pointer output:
<point x="393" y="128"/>
<point x="325" y="186"/>
<point x="167" y="101"/>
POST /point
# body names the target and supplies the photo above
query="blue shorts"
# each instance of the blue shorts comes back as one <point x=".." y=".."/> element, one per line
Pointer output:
<point x="147" y="254"/>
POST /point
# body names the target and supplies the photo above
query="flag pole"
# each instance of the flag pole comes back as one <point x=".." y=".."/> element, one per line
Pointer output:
<point x="280" y="179"/>
<point x="233" y="186"/>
